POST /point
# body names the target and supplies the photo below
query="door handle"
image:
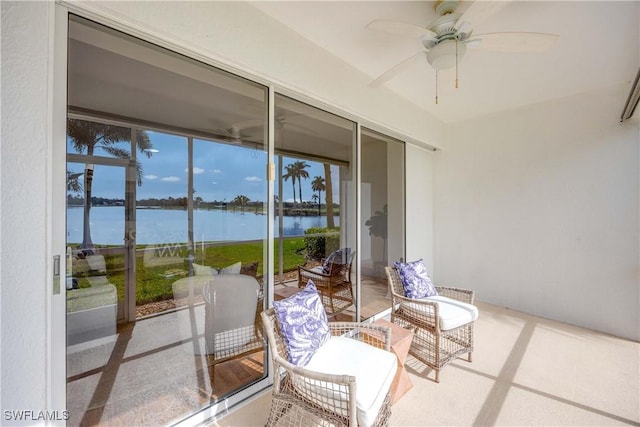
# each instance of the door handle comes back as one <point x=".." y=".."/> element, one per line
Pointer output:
<point x="56" y="274"/>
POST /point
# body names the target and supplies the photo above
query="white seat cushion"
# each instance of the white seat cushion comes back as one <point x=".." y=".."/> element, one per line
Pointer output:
<point x="373" y="368"/>
<point x="453" y="313"/>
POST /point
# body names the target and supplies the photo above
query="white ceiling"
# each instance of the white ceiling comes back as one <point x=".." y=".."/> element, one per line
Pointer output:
<point x="598" y="47"/>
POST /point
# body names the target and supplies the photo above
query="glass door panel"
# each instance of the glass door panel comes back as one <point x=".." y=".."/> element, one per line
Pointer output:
<point x="96" y="277"/>
<point x="161" y="223"/>
<point x="382" y="204"/>
<point x="195" y="191"/>
<point x="315" y="205"/>
<point x="96" y="229"/>
<point x="229" y="255"/>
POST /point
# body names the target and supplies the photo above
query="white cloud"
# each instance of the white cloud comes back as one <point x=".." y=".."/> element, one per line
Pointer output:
<point x="216" y="171"/>
<point x="253" y="179"/>
<point x="171" y="179"/>
<point x="196" y="170"/>
<point x="151" y="177"/>
<point x="213" y="182"/>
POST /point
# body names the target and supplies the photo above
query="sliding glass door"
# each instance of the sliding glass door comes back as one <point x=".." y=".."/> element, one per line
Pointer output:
<point x="382" y="213"/>
<point x="167" y="231"/>
<point x="169" y="209"/>
<point x="315" y="206"/>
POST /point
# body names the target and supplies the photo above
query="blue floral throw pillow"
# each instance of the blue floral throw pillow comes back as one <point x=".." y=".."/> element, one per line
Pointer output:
<point x="415" y="279"/>
<point x="303" y="323"/>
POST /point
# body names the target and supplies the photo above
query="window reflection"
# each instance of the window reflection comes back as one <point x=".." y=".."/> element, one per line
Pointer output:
<point x="382" y="201"/>
<point x="315" y="209"/>
<point x="170" y="249"/>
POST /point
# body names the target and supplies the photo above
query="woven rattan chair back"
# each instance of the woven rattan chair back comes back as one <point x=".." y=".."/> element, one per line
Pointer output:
<point x="302" y="397"/>
<point x="431" y="345"/>
<point x="335" y="287"/>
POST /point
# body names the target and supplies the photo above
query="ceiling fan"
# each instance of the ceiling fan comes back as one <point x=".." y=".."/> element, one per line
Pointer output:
<point x="248" y="131"/>
<point x="234" y="134"/>
<point x="447" y="37"/>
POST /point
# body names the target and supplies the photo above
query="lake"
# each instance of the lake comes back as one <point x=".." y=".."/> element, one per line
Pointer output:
<point x="170" y="225"/>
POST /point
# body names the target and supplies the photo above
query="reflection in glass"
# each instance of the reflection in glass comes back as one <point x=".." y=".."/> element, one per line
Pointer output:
<point x="382" y="201"/>
<point x="166" y="235"/>
<point x="315" y="205"/>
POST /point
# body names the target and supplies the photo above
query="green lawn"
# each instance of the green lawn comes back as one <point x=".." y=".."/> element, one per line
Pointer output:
<point x="154" y="284"/>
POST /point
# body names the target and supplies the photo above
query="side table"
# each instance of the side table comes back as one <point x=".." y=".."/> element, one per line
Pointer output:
<point x="282" y="292"/>
<point x="400" y="342"/>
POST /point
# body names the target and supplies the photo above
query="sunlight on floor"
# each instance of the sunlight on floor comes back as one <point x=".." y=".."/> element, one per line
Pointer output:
<point x="525" y="371"/>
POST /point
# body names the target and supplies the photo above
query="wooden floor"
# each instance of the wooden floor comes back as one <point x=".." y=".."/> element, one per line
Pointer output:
<point x="374" y="297"/>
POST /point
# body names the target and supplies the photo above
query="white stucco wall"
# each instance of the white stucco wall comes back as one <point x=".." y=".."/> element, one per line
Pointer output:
<point x="537" y="210"/>
<point x="24" y="165"/>
<point x="419" y="205"/>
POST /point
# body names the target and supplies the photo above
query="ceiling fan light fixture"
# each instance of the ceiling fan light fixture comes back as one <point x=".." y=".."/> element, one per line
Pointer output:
<point x="446" y="54"/>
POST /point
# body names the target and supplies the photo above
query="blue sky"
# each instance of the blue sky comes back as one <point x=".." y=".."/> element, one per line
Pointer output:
<point x="221" y="172"/>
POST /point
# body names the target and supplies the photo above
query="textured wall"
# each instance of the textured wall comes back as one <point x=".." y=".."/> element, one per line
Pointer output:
<point x="24" y="163"/>
<point x="419" y="203"/>
<point x="537" y="210"/>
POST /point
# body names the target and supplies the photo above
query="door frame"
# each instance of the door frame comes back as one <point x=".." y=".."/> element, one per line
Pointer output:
<point x="56" y="394"/>
<point x="126" y="310"/>
<point x="57" y="379"/>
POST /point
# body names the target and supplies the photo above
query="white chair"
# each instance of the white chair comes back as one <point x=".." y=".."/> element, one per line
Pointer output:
<point x="443" y="324"/>
<point x="345" y="383"/>
<point x="231" y="325"/>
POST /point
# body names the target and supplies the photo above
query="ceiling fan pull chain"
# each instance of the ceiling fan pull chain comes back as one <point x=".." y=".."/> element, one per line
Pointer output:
<point x="436" y="86"/>
<point x="456" y="62"/>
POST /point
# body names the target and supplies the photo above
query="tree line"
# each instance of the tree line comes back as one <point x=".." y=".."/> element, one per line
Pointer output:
<point x="87" y="137"/>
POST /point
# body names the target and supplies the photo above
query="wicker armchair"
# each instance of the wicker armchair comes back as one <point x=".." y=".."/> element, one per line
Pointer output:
<point x="443" y="324"/>
<point x="302" y="396"/>
<point x="335" y="287"/>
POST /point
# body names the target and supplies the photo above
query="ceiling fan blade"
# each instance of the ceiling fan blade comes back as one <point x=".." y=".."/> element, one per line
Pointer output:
<point x="478" y="11"/>
<point x="396" y="69"/>
<point x="401" y="29"/>
<point x="513" y="42"/>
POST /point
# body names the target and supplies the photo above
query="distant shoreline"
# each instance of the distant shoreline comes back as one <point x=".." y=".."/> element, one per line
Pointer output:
<point x="287" y="211"/>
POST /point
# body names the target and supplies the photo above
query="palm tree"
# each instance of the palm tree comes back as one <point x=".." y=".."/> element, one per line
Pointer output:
<point x="328" y="195"/>
<point x="318" y="185"/>
<point x="291" y="173"/>
<point x="87" y="137"/>
<point x="299" y="167"/>
<point x="241" y="200"/>
<point x="73" y="181"/>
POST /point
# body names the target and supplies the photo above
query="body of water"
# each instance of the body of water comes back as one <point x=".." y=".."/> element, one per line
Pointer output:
<point x="170" y="225"/>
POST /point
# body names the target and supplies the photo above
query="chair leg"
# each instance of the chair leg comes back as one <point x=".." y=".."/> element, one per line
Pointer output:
<point x="469" y="358"/>
<point x="438" y="376"/>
